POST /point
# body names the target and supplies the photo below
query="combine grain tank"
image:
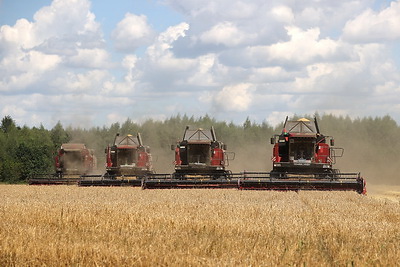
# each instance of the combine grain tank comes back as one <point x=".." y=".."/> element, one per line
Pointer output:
<point x="303" y="159"/>
<point x="72" y="161"/>
<point x="128" y="161"/>
<point x="200" y="162"/>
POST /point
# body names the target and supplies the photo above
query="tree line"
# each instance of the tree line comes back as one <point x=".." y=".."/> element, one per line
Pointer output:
<point x="371" y="144"/>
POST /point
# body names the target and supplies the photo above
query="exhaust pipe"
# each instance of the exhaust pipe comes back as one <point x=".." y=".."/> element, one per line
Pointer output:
<point x="139" y="137"/>
<point x="214" y="137"/>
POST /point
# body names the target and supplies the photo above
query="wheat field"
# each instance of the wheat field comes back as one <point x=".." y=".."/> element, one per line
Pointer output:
<point x="120" y="226"/>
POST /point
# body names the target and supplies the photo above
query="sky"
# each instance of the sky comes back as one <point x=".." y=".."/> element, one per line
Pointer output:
<point x="93" y="63"/>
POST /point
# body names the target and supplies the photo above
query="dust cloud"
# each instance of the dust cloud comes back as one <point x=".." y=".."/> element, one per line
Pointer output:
<point x="93" y="142"/>
<point x="163" y="159"/>
<point x="375" y="166"/>
<point x="251" y="157"/>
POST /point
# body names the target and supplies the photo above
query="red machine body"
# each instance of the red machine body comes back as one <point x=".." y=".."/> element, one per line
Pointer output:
<point x="128" y="156"/>
<point x="301" y="148"/>
<point x="200" y="162"/>
<point x="75" y="159"/>
<point x="199" y="153"/>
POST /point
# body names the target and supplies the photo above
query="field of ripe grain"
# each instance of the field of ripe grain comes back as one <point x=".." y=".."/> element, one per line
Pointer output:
<point x="69" y="225"/>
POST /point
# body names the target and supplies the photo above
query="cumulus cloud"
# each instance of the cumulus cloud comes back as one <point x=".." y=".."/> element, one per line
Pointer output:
<point x="303" y="47"/>
<point x="90" y="81"/>
<point x="160" y="61"/>
<point x="225" y="33"/>
<point x="283" y="14"/>
<point x="375" y="26"/>
<point x="90" y="58"/>
<point x="132" y="32"/>
<point x="20" y="36"/>
<point x="24" y="69"/>
<point x="37" y="58"/>
<point x="65" y="18"/>
<point x="164" y="41"/>
<point x="236" y="97"/>
<point x="28" y="54"/>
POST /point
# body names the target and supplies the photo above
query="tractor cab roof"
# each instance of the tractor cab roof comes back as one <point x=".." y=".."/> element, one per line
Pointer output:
<point x="73" y="147"/>
<point x="126" y="141"/>
<point x="302" y="126"/>
<point x="199" y="136"/>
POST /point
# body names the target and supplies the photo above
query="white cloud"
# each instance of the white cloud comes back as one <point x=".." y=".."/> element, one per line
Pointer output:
<point x="65" y="18"/>
<point x="161" y="68"/>
<point x="90" y="58"/>
<point x="202" y="75"/>
<point x="132" y="32"/>
<point x="30" y="61"/>
<point x="225" y="33"/>
<point x="164" y="41"/>
<point x="283" y="14"/>
<point x="20" y="70"/>
<point x="64" y="22"/>
<point x="269" y="75"/>
<point x="35" y="53"/>
<point x="13" y="109"/>
<point x="303" y="47"/>
<point x="277" y="117"/>
<point x="115" y="117"/>
<point x="372" y="26"/>
<point x="20" y="36"/>
<point x="232" y="9"/>
<point x="389" y="89"/>
<point x="232" y="98"/>
<point x="90" y="81"/>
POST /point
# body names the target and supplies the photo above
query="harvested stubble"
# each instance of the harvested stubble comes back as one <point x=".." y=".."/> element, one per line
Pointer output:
<point x="68" y="225"/>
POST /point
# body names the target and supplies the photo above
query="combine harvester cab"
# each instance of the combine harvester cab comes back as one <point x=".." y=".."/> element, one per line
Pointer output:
<point x="200" y="162"/>
<point x="72" y="161"/>
<point x="128" y="161"/>
<point x="303" y="159"/>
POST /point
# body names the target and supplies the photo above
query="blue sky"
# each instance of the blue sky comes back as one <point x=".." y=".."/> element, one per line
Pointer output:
<point x="91" y="63"/>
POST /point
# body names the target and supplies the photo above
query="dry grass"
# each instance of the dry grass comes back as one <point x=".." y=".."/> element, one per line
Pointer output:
<point x="68" y="225"/>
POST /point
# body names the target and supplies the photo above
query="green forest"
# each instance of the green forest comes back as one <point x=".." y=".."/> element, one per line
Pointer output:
<point x="371" y="145"/>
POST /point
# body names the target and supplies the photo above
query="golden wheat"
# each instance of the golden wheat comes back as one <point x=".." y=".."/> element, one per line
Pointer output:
<point x="69" y="225"/>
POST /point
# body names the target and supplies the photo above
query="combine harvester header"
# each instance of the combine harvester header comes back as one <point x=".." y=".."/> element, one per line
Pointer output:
<point x="303" y="159"/>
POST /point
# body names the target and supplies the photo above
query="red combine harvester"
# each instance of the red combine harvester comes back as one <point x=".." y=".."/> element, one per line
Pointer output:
<point x="72" y="161"/>
<point x="128" y="161"/>
<point x="303" y="159"/>
<point x="200" y="162"/>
